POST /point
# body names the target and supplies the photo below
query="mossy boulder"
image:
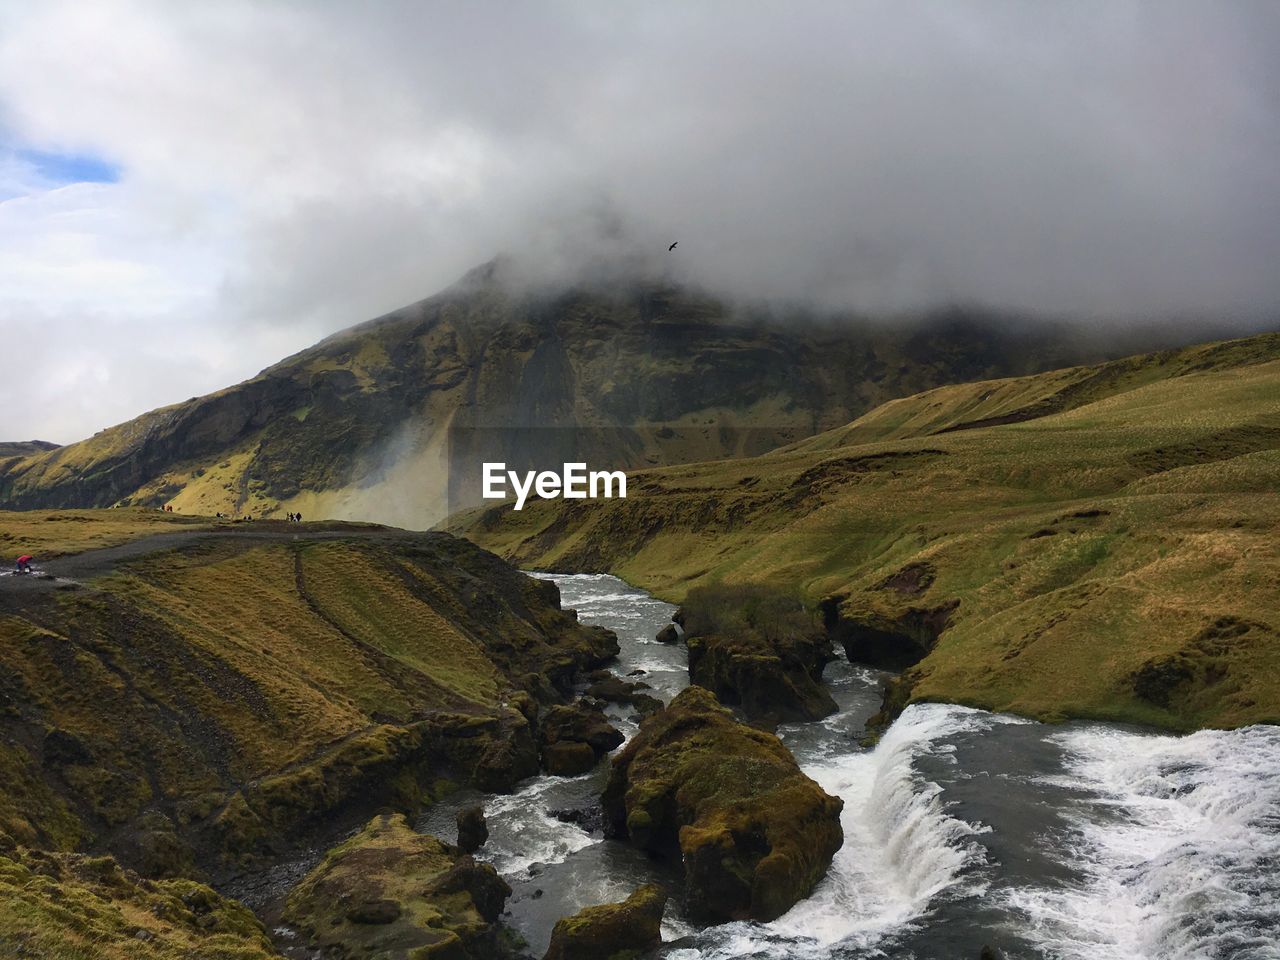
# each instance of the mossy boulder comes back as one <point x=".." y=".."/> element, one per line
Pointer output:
<point x="574" y="738"/>
<point x="758" y="649"/>
<point x="772" y="683"/>
<point x="884" y="628"/>
<point x="394" y="894"/>
<point x="155" y="849"/>
<point x="611" y="931"/>
<point x="569" y="758"/>
<point x="754" y="833"/>
<point x="473" y="831"/>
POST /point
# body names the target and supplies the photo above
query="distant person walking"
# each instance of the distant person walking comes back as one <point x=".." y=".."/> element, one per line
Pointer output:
<point x="24" y="564"/>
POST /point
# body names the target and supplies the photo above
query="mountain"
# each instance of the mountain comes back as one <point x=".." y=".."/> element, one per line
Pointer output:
<point x="1098" y="541"/>
<point x="389" y="420"/>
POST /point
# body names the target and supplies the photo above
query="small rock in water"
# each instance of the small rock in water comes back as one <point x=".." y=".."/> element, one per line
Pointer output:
<point x="472" y="829"/>
<point x="637" y="673"/>
<point x="589" y="818"/>
<point x="668" y="634"/>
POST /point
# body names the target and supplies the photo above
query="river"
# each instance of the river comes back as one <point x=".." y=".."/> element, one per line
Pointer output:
<point x="1077" y="841"/>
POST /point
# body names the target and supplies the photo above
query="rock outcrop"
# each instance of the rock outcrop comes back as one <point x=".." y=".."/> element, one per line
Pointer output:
<point x="754" y="833"/>
<point x="393" y="894"/>
<point x="770" y="682"/>
<point x="575" y="737"/>
<point x="608" y="687"/>
<point x="473" y="831"/>
<point x="884" y="628"/>
<point x="759" y="650"/>
<point x="611" y="931"/>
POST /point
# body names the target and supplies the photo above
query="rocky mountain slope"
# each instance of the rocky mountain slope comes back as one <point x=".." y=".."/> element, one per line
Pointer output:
<point x="1098" y="541"/>
<point x="389" y="420"/>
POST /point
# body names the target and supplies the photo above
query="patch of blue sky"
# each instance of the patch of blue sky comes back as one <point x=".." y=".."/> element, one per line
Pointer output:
<point x="60" y="169"/>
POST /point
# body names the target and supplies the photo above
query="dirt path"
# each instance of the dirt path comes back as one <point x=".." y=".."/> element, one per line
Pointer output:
<point x="74" y="568"/>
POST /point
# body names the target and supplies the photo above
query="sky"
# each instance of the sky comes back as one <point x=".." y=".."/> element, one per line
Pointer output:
<point x="190" y="192"/>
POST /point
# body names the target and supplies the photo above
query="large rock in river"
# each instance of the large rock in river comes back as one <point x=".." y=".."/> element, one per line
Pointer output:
<point x="758" y="649"/>
<point x="755" y="834"/>
<point x="611" y="931"/>
<point x="770" y="682"/>
<point x="393" y="894"/>
<point x="573" y="738"/>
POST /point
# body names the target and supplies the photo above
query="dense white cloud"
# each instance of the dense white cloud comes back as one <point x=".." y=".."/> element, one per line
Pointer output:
<point x="290" y="168"/>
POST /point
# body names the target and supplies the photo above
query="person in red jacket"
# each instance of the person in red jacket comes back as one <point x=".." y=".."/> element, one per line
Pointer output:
<point x="24" y="564"/>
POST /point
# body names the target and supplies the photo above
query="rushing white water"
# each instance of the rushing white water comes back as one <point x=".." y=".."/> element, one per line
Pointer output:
<point x="1178" y="841"/>
<point x="522" y="833"/>
<point x="902" y="848"/>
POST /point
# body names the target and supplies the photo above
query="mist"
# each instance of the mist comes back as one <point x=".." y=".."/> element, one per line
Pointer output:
<point x="290" y="169"/>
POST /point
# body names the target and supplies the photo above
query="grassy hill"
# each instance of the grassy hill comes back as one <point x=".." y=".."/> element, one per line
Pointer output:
<point x="387" y="420"/>
<point x="1099" y="541"/>
<point x="201" y="700"/>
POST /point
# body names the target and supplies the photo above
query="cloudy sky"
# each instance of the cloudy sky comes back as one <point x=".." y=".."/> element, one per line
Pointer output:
<point x="189" y="192"/>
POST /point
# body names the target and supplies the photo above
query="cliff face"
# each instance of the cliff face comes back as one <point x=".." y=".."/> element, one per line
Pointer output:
<point x="389" y="420"/>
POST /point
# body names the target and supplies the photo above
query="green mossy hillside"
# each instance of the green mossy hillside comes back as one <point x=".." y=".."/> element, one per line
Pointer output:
<point x="231" y="694"/>
<point x="1104" y="546"/>
<point x="53" y="533"/>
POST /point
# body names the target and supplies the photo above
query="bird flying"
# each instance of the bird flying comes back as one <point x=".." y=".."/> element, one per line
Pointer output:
<point x="672" y="247"/>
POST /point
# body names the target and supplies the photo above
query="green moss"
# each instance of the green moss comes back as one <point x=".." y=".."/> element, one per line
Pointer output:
<point x="611" y="931"/>
<point x="389" y="892"/>
<point x="69" y="907"/>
